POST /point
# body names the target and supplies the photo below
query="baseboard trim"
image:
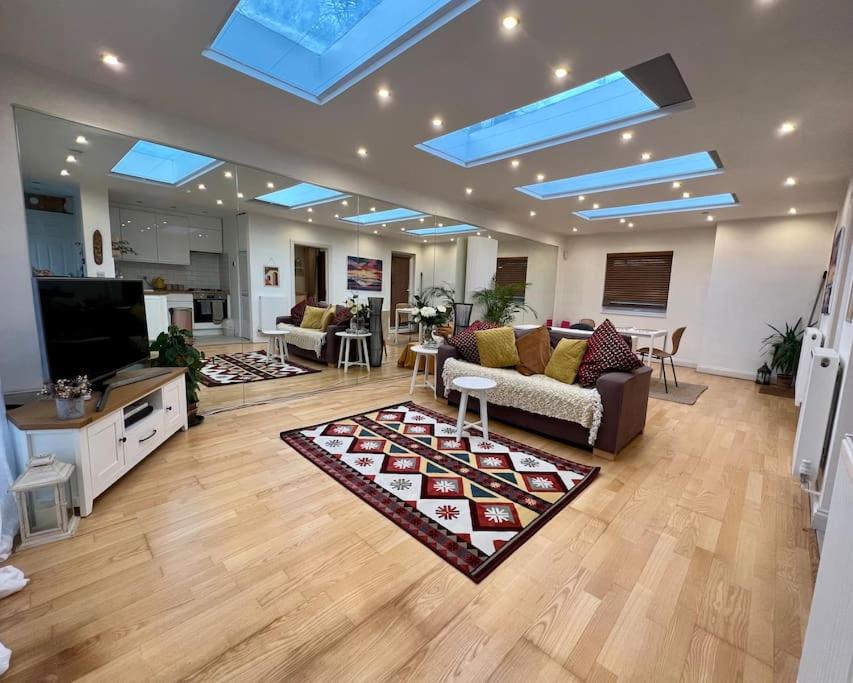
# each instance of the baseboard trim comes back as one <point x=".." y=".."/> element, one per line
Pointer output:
<point x="725" y="372"/>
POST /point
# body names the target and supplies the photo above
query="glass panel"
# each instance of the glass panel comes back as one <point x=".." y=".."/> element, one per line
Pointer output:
<point x="41" y="509"/>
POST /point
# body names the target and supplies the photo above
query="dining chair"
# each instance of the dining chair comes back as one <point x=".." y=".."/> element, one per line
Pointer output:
<point x="662" y="355"/>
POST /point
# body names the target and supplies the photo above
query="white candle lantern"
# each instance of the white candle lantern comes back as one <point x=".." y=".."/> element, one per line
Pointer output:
<point x="43" y="494"/>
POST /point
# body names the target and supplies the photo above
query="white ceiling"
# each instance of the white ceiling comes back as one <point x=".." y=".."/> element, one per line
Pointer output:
<point x="750" y="64"/>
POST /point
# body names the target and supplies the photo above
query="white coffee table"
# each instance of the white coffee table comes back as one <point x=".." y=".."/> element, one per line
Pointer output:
<point x="426" y="352"/>
<point x="477" y="386"/>
<point x="360" y="344"/>
<point x="276" y="343"/>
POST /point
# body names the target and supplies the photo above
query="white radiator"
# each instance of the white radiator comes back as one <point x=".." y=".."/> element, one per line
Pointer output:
<point x="812" y="339"/>
<point x="816" y="413"/>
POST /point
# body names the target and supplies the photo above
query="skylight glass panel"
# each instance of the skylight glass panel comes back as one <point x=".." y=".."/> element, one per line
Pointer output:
<point x="160" y="164"/>
<point x="301" y="196"/>
<point x="623" y="98"/>
<point x="387" y="216"/>
<point x="648" y="173"/>
<point x="316" y="49"/>
<point x="445" y="230"/>
<point x="716" y="201"/>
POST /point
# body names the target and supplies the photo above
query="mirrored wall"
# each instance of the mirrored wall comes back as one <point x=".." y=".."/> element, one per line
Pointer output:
<point x="239" y="256"/>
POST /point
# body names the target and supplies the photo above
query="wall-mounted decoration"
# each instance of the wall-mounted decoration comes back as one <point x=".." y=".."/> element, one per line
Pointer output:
<point x="271" y="277"/>
<point x="830" y="273"/>
<point x="98" y="247"/>
<point x="364" y="274"/>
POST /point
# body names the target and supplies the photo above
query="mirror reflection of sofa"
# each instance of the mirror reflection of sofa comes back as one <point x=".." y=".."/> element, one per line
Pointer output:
<point x="624" y="399"/>
<point x="304" y="342"/>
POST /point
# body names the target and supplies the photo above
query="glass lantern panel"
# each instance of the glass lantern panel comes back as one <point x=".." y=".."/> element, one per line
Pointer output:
<point x="41" y="509"/>
<point x="69" y="501"/>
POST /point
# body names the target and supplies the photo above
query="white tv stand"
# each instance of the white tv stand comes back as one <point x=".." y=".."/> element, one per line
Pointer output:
<point x="101" y="447"/>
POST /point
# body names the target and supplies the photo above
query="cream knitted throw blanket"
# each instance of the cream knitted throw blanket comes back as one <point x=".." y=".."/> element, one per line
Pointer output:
<point x="535" y="394"/>
<point x="304" y="337"/>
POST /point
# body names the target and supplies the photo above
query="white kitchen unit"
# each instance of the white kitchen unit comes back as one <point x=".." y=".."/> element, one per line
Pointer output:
<point x="139" y="230"/>
<point x="157" y="314"/>
<point x="173" y="239"/>
<point x="103" y="446"/>
<point x="205" y="234"/>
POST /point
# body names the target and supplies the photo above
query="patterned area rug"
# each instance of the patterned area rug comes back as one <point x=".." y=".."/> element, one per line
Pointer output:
<point x="254" y="366"/>
<point x="471" y="501"/>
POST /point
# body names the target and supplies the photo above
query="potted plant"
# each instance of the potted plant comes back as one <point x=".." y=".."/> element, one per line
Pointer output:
<point x="69" y="396"/>
<point x="431" y="317"/>
<point x="175" y="350"/>
<point x="122" y="248"/>
<point x="359" y="313"/>
<point x="502" y="302"/>
<point x="784" y="347"/>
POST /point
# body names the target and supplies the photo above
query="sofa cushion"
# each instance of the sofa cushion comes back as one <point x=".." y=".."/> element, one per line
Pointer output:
<point x="607" y="351"/>
<point x="566" y="360"/>
<point x="534" y="351"/>
<point x="342" y="316"/>
<point x="497" y="347"/>
<point x="313" y="317"/>
<point x="298" y="311"/>
<point x="327" y="317"/>
<point x="466" y="342"/>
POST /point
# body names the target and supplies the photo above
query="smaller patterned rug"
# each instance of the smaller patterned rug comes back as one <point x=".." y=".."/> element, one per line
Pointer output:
<point x="471" y="501"/>
<point x="254" y="366"/>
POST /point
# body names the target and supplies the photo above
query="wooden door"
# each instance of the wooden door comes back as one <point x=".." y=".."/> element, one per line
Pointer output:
<point x="400" y="273"/>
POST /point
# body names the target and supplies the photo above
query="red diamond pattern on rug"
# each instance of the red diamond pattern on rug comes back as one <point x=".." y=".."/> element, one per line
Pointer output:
<point x="471" y="501"/>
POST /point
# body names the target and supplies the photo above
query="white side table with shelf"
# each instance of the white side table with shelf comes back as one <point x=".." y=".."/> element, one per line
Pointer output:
<point x="360" y="344"/>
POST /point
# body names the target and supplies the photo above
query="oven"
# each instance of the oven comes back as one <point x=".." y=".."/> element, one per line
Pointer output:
<point x="210" y="309"/>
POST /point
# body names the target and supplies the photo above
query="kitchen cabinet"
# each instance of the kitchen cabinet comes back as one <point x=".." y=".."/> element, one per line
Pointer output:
<point x="205" y="234"/>
<point x="157" y="314"/>
<point x="139" y="230"/>
<point x="173" y="239"/>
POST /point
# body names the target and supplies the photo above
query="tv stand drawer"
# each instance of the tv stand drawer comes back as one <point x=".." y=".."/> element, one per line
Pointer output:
<point x="144" y="437"/>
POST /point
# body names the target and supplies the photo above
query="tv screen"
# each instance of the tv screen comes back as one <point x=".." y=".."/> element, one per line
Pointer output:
<point x="91" y="326"/>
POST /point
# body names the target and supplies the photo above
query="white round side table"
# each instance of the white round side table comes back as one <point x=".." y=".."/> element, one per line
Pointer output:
<point x="360" y="344"/>
<point x="276" y="343"/>
<point x="426" y="352"/>
<point x="477" y="386"/>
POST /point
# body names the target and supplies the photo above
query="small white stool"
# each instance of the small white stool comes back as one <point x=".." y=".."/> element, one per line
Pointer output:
<point x="276" y="343"/>
<point x="360" y="344"/>
<point x="478" y="386"/>
<point x="427" y="352"/>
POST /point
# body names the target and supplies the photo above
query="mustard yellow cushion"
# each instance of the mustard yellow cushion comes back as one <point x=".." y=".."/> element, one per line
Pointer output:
<point x="313" y="317"/>
<point x="566" y="360"/>
<point x="497" y="347"/>
<point x="328" y="316"/>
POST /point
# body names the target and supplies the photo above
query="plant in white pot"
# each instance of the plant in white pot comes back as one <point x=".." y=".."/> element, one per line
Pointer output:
<point x="69" y="395"/>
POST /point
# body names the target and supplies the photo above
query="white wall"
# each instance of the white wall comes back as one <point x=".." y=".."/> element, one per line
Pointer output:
<point x="95" y="215"/>
<point x="481" y="263"/>
<point x="541" y="274"/>
<point x="580" y="281"/>
<point x="764" y="271"/>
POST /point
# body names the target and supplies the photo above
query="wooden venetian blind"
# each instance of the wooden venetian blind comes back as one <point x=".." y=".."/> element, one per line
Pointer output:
<point x="512" y="271"/>
<point x="638" y="280"/>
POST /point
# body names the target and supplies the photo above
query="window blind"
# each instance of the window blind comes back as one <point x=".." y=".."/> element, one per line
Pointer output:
<point x="638" y="280"/>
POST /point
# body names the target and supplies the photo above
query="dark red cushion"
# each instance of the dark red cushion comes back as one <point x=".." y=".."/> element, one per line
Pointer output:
<point x="298" y="311"/>
<point x="466" y="342"/>
<point x="342" y="316"/>
<point x="606" y="351"/>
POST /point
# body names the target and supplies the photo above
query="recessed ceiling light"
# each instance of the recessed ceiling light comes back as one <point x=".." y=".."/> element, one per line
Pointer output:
<point x="424" y="240"/>
<point x="510" y="22"/>
<point x="111" y="60"/>
<point x="630" y="225"/>
<point x="676" y="185"/>
<point x="239" y="195"/>
<point x="645" y="156"/>
<point x="71" y="159"/>
<point x="228" y="174"/>
<point x="489" y="236"/>
<point x="337" y="215"/>
<point x="362" y="152"/>
<point x="581" y="197"/>
<point x="469" y="190"/>
<point x="270" y="185"/>
<point x="792" y="211"/>
<point x="64" y="172"/>
<point x="373" y="208"/>
<point x="402" y="229"/>
<point x="787" y="128"/>
<point x="595" y="206"/>
<point x="790" y="181"/>
<point x="478" y="234"/>
<point x="686" y="195"/>
<point x="621" y="220"/>
<point x="383" y="93"/>
<point x="627" y="136"/>
<point x="515" y="163"/>
<point x="441" y="225"/>
<point x="574" y="229"/>
<point x="709" y="218"/>
<point x="188" y="191"/>
<point x="81" y="140"/>
<point x="437" y="122"/>
<point x="345" y="203"/>
<point x="375" y="232"/>
<point x="202" y="186"/>
<point x="310" y="220"/>
<point x="533" y="214"/>
<point x="310" y="210"/>
<point x="384" y="225"/>
<point x="540" y="177"/>
<point x="219" y="202"/>
<point x="561" y="72"/>
<point x="452" y="239"/>
<point x="421" y="220"/>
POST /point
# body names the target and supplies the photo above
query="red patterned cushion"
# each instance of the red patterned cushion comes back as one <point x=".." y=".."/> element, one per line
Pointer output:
<point x="342" y="316"/>
<point x="466" y="342"/>
<point x="298" y="311"/>
<point x="606" y="351"/>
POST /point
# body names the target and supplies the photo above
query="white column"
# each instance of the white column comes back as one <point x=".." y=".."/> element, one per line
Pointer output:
<point x="95" y="215"/>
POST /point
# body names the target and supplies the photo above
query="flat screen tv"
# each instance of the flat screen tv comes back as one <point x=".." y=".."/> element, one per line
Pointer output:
<point x="91" y="326"/>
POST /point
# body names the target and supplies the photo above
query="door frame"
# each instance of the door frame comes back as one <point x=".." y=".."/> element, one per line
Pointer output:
<point x="412" y="271"/>
<point x="325" y="246"/>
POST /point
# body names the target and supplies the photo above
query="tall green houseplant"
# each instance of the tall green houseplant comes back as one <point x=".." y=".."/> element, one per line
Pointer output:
<point x="175" y="350"/>
<point x="502" y="302"/>
<point x="784" y="347"/>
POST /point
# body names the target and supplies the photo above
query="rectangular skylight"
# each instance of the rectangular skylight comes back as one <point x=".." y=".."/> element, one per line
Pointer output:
<point x="387" y="216"/>
<point x="445" y="230"/>
<point x="316" y="50"/>
<point x="715" y="201"/>
<point x="624" y="98"/>
<point x="160" y="164"/>
<point x="301" y="196"/>
<point x="648" y="173"/>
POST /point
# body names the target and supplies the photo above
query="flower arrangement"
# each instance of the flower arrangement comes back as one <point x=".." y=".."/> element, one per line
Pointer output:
<point x="358" y="310"/>
<point x="431" y="316"/>
<point x="79" y="387"/>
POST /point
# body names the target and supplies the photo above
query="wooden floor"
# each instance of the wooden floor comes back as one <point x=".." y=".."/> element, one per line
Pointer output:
<point x="226" y="555"/>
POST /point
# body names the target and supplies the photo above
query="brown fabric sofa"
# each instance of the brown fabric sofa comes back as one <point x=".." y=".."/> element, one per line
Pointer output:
<point x="624" y="397"/>
<point x="331" y="348"/>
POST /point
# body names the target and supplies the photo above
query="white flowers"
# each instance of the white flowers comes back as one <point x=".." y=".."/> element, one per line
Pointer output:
<point x="428" y="312"/>
<point x="441" y="309"/>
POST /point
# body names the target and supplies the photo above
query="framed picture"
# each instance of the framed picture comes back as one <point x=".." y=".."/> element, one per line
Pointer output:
<point x="364" y="274"/>
<point x="271" y="277"/>
<point x="833" y="266"/>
